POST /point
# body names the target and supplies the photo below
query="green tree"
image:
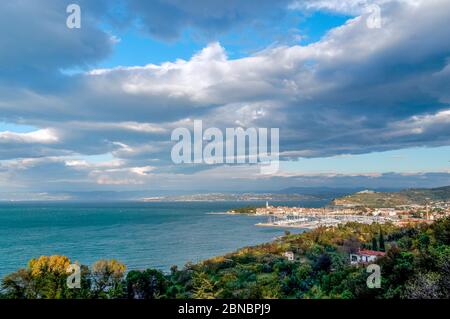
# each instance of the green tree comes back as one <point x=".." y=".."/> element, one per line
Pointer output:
<point x="148" y="284"/>
<point x="323" y="263"/>
<point x="107" y="279"/>
<point x="17" y="285"/>
<point x="203" y="287"/>
<point x="423" y="286"/>
<point x="374" y="244"/>
<point x="44" y="278"/>
<point x="381" y="240"/>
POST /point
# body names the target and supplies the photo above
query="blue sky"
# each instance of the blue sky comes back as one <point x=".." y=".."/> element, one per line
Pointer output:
<point x="14" y="127"/>
<point x="409" y="160"/>
<point x="135" y="47"/>
<point x="93" y="109"/>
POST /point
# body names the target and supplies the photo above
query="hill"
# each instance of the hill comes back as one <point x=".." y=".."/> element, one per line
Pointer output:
<point x="419" y="196"/>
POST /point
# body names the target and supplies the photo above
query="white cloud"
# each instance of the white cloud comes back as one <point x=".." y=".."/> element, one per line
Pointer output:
<point x="44" y="136"/>
<point x="354" y="7"/>
<point x="108" y="180"/>
<point x="143" y="171"/>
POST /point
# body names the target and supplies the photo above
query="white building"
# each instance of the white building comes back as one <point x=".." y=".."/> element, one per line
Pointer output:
<point x="365" y="256"/>
<point x="289" y="255"/>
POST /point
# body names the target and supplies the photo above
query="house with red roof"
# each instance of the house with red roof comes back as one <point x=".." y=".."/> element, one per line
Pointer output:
<point x="365" y="256"/>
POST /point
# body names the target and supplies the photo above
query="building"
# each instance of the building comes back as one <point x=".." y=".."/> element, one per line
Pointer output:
<point x="289" y="255"/>
<point x="365" y="256"/>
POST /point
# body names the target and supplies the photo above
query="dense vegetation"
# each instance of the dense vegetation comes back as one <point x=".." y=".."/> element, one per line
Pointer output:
<point x="416" y="265"/>
<point x="390" y="199"/>
<point x="244" y="210"/>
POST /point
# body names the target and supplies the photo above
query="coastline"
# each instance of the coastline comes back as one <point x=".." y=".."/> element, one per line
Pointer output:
<point x="156" y="235"/>
<point x="293" y="266"/>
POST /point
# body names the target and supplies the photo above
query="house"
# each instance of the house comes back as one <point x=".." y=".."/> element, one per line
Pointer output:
<point x="289" y="255"/>
<point x="365" y="256"/>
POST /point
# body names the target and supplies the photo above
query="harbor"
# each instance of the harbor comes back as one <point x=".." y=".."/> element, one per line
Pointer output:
<point x="332" y="216"/>
<point x="315" y="221"/>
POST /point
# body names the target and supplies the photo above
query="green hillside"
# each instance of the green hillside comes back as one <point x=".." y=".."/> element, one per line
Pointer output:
<point x="419" y="196"/>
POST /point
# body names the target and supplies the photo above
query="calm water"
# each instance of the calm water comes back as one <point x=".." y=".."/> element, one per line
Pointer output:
<point x="141" y="235"/>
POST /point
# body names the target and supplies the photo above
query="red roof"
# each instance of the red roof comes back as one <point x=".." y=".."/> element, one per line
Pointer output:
<point x="371" y="252"/>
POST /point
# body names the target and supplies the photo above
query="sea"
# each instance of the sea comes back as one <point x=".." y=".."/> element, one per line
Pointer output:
<point x="139" y="234"/>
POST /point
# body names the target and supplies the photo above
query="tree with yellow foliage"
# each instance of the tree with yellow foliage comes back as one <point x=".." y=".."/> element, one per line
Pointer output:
<point x="49" y="264"/>
<point x="44" y="278"/>
<point x="107" y="277"/>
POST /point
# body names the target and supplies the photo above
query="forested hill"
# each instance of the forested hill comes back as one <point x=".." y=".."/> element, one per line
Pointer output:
<point x="419" y="196"/>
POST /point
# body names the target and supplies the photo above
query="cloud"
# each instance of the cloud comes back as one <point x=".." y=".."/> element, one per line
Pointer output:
<point x="357" y="90"/>
<point x="45" y="136"/>
<point x="36" y="43"/>
<point x="61" y="177"/>
<point x="168" y="19"/>
<point x="353" y="7"/>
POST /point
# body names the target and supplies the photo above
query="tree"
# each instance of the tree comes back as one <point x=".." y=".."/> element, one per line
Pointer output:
<point x="323" y="263"/>
<point x="173" y="269"/>
<point x="44" y="278"/>
<point x="444" y="281"/>
<point x="351" y="245"/>
<point x="18" y="285"/>
<point x="374" y="244"/>
<point x="423" y="286"/>
<point x="203" y="287"/>
<point x="107" y="278"/>
<point x="48" y="276"/>
<point x="381" y="240"/>
<point x="442" y="231"/>
<point x="49" y="264"/>
<point x="148" y="284"/>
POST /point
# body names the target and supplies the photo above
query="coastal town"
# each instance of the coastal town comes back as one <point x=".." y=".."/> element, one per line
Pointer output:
<point x="331" y="216"/>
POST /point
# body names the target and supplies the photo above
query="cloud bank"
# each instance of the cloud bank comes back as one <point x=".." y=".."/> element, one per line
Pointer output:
<point x="357" y="90"/>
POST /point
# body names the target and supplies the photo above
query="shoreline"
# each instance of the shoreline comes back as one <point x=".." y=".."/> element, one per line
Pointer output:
<point x="283" y="226"/>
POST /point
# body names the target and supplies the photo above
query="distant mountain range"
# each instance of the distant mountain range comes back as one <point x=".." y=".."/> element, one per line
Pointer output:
<point x="418" y="196"/>
<point x="288" y="194"/>
<point x="233" y="197"/>
<point x="337" y="196"/>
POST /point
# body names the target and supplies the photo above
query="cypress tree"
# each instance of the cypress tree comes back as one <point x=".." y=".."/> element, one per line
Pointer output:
<point x="374" y="244"/>
<point x="381" y="240"/>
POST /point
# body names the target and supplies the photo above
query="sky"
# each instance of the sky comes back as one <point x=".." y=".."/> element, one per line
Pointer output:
<point x="357" y="104"/>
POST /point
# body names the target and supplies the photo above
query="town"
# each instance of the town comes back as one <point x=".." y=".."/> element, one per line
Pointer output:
<point x="309" y="218"/>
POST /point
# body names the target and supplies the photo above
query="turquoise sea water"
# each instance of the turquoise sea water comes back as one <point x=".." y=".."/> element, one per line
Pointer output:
<point x="141" y="235"/>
